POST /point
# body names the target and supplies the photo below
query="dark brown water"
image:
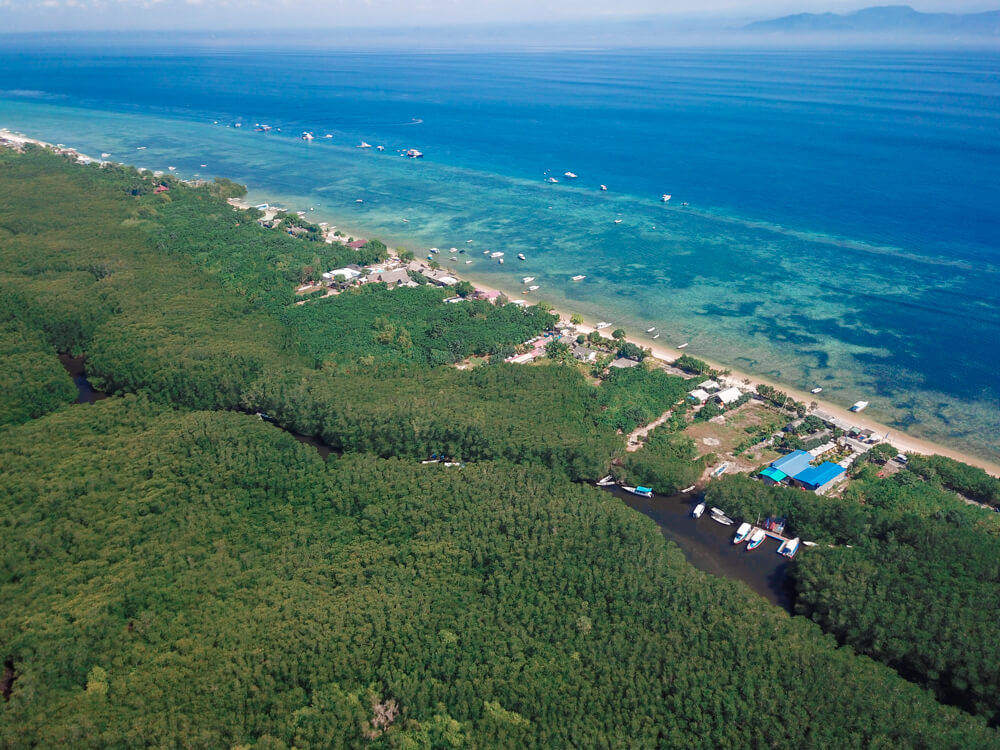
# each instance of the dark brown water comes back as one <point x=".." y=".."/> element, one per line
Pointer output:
<point x="709" y="546"/>
<point x="77" y="368"/>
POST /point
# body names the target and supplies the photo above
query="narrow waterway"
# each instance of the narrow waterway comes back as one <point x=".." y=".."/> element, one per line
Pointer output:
<point x="709" y="546"/>
<point x="706" y="545"/>
<point x="77" y="369"/>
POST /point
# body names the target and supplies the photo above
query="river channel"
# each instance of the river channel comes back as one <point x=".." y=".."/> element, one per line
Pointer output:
<point x="706" y="544"/>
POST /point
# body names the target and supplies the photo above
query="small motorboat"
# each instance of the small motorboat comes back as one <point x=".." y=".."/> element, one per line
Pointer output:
<point x="719" y="517"/>
<point x="520" y="256"/>
<point x="604" y="188"/>
<point x="665" y="198"/>
<point x="816" y="390"/>
<point x="697" y="511"/>
<point x="650" y="330"/>
<point x="552" y="180"/>
<point x="742" y="532"/>
<point x="641" y="491"/>
<point x="756" y="538"/>
<point x="789" y="547"/>
<point x="859" y="406"/>
<point x="688" y="489"/>
<point x="364" y="144"/>
<point x="681" y="346"/>
<point x="527" y="279"/>
<point x="307" y="136"/>
<point x="606" y="481"/>
<point x="656" y="336"/>
<point x="579" y="277"/>
<point x="618" y="221"/>
<point x="533" y="288"/>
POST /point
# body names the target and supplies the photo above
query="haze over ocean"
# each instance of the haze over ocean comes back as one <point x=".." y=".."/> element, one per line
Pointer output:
<point x="842" y="227"/>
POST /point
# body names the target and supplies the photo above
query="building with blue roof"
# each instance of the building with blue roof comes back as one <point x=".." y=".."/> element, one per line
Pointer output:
<point x="817" y="477"/>
<point x="793" y="463"/>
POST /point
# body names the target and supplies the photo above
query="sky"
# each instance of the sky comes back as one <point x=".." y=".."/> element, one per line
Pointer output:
<point x="222" y="15"/>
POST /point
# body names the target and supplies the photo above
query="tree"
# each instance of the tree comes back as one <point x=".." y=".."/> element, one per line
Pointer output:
<point x="558" y="350"/>
<point x="576" y="319"/>
<point x="405" y="254"/>
<point x="618" y="334"/>
<point x="464" y="289"/>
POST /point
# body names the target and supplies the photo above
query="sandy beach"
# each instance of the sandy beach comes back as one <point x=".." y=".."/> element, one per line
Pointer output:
<point x="905" y="443"/>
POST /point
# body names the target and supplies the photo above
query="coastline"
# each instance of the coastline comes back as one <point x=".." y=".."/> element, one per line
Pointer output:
<point x="902" y="441"/>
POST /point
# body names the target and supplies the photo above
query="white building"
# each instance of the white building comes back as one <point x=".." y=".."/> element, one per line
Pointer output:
<point x="729" y="396"/>
<point x="699" y="395"/>
<point x="347" y="274"/>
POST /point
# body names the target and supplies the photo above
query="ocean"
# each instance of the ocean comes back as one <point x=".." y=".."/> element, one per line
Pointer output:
<point x="834" y="219"/>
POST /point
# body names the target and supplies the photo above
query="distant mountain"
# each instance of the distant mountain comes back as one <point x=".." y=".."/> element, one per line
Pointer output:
<point x="885" y="19"/>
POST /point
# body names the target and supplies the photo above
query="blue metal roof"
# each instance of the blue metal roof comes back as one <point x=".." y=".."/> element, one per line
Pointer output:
<point x="817" y="476"/>
<point x="793" y="463"/>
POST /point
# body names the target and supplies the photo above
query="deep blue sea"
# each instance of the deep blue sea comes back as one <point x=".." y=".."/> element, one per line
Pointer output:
<point x="842" y="226"/>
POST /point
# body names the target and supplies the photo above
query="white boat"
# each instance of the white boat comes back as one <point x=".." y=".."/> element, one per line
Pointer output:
<point x="757" y="537"/>
<point x="815" y="390"/>
<point x="378" y="148"/>
<point x="688" y="489"/>
<point x="606" y="481"/>
<point x="601" y="325"/>
<point x="307" y="136"/>
<point x="650" y="330"/>
<point x="656" y="336"/>
<point x="328" y="136"/>
<point x="618" y="221"/>
<point x="719" y="517"/>
<point x="434" y="250"/>
<point x="579" y="277"/>
<point x="552" y="180"/>
<point x="742" y="532"/>
<point x="468" y="262"/>
<point x="105" y="155"/>
<point x="359" y="200"/>
<point x="665" y="198"/>
<point x="468" y="241"/>
<point x="365" y="145"/>
<point x="570" y="175"/>
<point x="681" y="346"/>
<point x="414" y="154"/>
<point x="789" y="547"/>
<point x="140" y="148"/>
<point x="453" y="250"/>
<point x="527" y="279"/>
<point x="203" y="166"/>
<point x="496" y="255"/>
<point x="698" y="510"/>
<point x="533" y="287"/>
<point x="859" y="406"/>
<point x="641" y="491"/>
<point x="486" y="252"/>
<point x="520" y="256"/>
<point x="500" y="261"/>
<point x="604" y="188"/>
<point x="172" y="168"/>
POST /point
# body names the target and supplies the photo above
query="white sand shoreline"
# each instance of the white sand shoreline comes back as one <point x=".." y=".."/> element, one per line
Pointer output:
<point x="904" y="442"/>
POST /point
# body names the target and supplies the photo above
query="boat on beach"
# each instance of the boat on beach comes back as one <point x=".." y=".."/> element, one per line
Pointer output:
<point x="789" y="547"/>
<point x="757" y="537"/>
<point x="719" y="517"/>
<point x="641" y="491"/>
<point x="602" y="324"/>
<point x="859" y="406"/>
<point x="742" y="532"/>
<point x="698" y="510"/>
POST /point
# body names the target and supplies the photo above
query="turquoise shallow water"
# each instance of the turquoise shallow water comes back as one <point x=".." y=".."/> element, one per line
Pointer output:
<point x="842" y="222"/>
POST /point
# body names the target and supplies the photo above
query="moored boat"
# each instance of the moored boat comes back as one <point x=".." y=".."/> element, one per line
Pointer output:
<point x="520" y="256"/>
<point x="859" y="406"/>
<point x="742" y="532"/>
<point x="688" y="489"/>
<point x="606" y="481"/>
<point x="719" y="517"/>
<point x="815" y="390"/>
<point x="570" y="175"/>
<point x="698" y="510"/>
<point x="756" y="538"/>
<point x="641" y="491"/>
<point x="665" y="198"/>
<point x="579" y="277"/>
<point x="789" y="547"/>
<point x="552" y="180"/>
<point x="682" y="346"/>
<point x="527" y="279"/>
<point x="604" y="188"/>
<point x="363" y="144"/>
